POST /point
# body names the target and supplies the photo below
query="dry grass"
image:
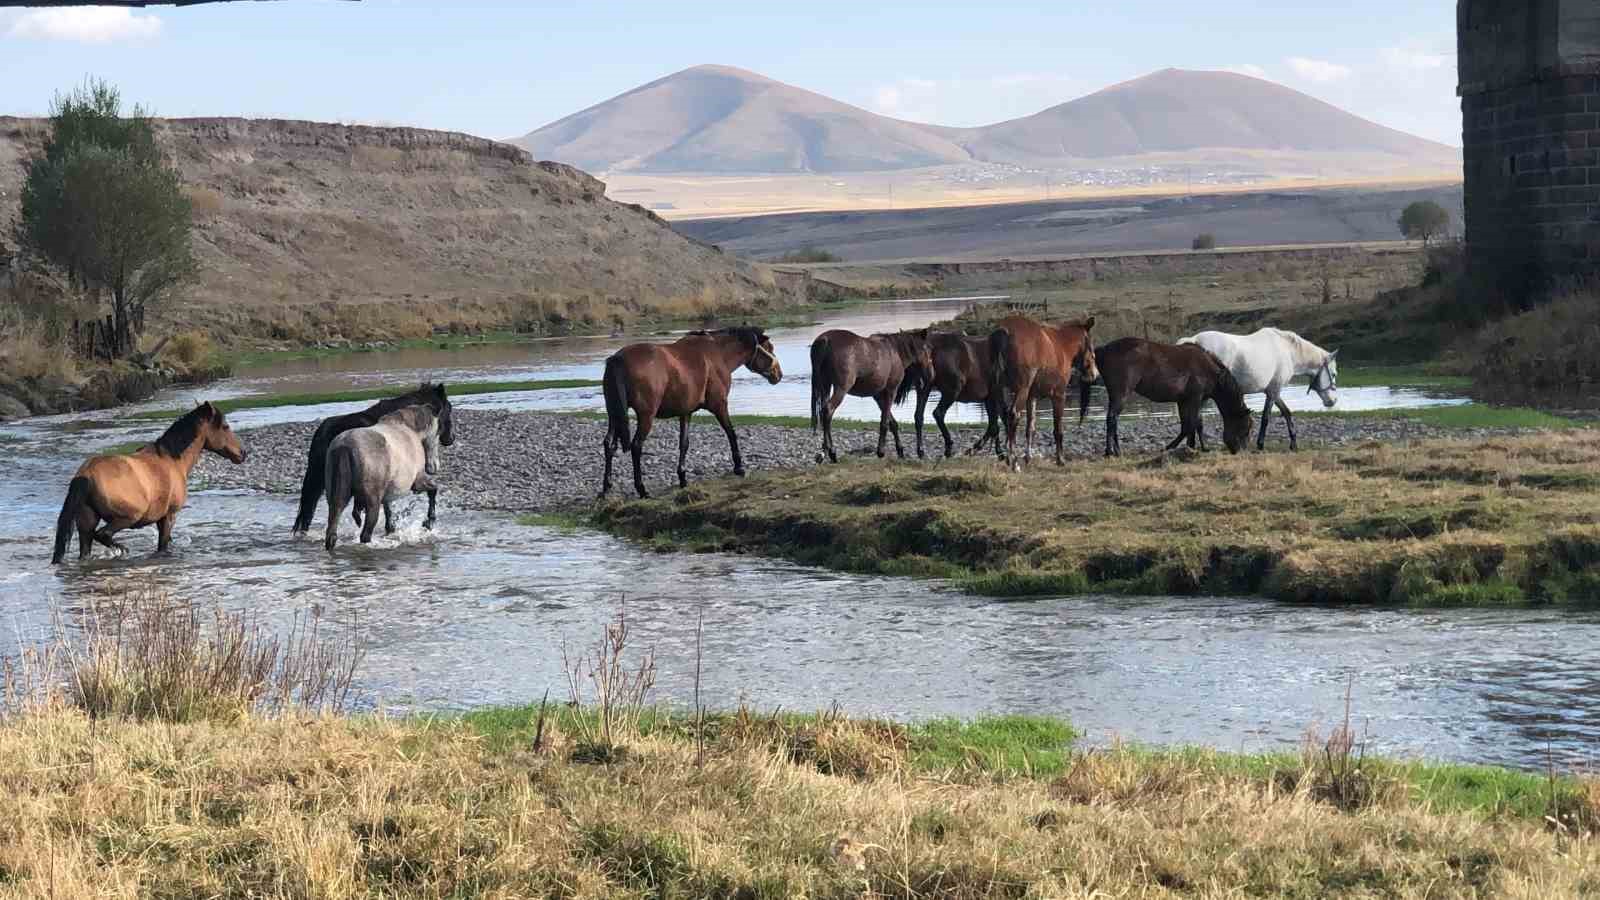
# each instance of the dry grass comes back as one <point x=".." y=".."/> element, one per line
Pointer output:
<point x="1507" y="519"/>
<point x="31" y="348"/>
<point x="1551" y="346"/>
<point x="342" y="808"/>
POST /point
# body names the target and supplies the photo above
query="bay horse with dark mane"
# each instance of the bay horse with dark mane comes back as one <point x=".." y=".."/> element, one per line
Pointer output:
<point x="313" y="487"/>
<point x="961" y="367"/>
<point x="1185" y="374"/>
<point x="146" y="487"/>
<point x="1029" y="360"/>
<point x="674" y="380"/>
<point x="885" y="367"/>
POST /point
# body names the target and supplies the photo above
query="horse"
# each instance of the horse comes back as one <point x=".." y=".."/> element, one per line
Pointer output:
<point x="374" y="464"/>
<point x="1185" y="374"/>
<point x="1029" y="358"/>
<point x="885" y="367"/>
<point x="312" y="488"/>
<point x="961" y="368"/>
<point x="677" y="379"/>
<point x="145" y="487"/>
<point x="1267" y="360"/>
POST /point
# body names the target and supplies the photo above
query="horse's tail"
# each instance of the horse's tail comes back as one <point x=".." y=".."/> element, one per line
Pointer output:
<point x="821" y="377"/>
<point x="77" y="495"/>
<point x="616" y="390"/>
<point x="311" y="488"/>
<point x="999" y="367"/>
<point x="341" y="481"/>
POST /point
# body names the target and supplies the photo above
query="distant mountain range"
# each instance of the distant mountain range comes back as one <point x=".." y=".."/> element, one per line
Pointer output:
<point x="717" y="120"/>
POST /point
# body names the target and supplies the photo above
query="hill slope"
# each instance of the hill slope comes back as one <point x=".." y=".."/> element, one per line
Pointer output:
<point x="722" y="119"/>
<point x="305" y="230"/>
<point x="718" y="120"/>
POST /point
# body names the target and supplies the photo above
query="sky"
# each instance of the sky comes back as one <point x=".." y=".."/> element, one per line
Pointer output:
<point x="501" y="70"/>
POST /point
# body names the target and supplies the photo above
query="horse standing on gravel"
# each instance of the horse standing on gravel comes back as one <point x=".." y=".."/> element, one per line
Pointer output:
<point x="961" y="367"/>
<point x="313" y="487"/>
<point x="1029" y="359"/>
<point x="1185" y="374"/>
<point x="373" y="465"/>
<point x="142" y="488"/>
<point x="1267" y="360"/>
<point x="885" y="367"/>
<point x="664" y="380"/>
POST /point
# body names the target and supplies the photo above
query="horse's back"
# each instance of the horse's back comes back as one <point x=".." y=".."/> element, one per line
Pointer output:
<point x="1255" y="360"/>
<point x="142" y="486"/>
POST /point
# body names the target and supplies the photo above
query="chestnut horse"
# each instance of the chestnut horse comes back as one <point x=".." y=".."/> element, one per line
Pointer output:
<point x="142" y="488"/>
<point x="884" y="367"/>
<point x="313" y="487"/>
<point x="666" y="380"/>
<point x="961" y="367"/>
<point x="1185" y="374"/>
<point x="1030" y="359"/>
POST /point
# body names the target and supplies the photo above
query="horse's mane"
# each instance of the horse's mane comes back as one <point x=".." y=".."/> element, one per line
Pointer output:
<point x="180" y="434"/>
<point x="747" y="334"/>
<point x="432" y="417"/>
<point x="1228" y="388"/>
<point x="426" y="394"/>
<point x="905" y="344"/>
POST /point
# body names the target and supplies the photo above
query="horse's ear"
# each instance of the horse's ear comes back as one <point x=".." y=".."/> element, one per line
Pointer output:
<point x="1088" y="323"/>
<point x="1333" y="354"/>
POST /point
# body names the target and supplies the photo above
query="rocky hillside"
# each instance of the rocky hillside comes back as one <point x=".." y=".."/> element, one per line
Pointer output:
<point x="309" y="230"/>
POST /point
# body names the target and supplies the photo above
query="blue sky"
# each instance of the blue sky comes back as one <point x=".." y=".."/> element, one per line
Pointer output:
<point x="502" y="69"/>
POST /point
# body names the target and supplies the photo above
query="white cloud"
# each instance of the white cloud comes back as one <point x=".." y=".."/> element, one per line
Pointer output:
<point x="1251" y="69"/>
<point x="1319" y="70"/>
<point x="1411" y="59"/>
<point x="86" y="24"/>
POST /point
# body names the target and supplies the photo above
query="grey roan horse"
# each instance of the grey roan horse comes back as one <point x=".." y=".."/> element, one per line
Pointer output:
<point x="375" y="464"/>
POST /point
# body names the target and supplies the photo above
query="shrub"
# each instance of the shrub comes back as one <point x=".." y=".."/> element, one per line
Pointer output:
<point x="1204" y="241"/>
<point x="1424" y="220"/>
<point x="808" y="255"/>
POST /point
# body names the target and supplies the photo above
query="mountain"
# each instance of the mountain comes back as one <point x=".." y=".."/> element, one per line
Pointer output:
<point x="1178" y="110"/>
<point x="712" y="120"/>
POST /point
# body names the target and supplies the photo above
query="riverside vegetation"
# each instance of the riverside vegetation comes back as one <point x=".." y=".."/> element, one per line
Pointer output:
<point x="219" y="761"/>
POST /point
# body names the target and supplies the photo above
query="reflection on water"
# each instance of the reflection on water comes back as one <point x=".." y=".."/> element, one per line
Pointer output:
<point x="476" y="613"/>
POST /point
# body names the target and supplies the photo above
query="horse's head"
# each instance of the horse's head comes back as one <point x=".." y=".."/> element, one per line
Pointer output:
<point x="1084" y="362"/>
<point x="1326" y="382"/>
<point x="219" y="435"/>
<point x="763" y="359"/>
<point x="441" y="407"/>
<point x="1237" y="420"/>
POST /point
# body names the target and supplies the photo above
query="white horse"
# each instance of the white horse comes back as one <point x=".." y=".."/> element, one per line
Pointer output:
<point x="376" y="464"/>
<point x="1266" y="361"/>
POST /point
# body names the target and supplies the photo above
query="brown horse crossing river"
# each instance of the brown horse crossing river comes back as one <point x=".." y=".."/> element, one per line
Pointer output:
<point x="146" y="487"/>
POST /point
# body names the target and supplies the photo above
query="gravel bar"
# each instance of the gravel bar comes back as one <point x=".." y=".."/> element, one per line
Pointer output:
<point x="538" y="461"/>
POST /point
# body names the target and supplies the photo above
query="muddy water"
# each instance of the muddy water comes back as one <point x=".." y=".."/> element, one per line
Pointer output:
<point x="477" y="611"/>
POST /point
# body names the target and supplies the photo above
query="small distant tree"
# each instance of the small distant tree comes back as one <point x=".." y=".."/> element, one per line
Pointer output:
<point x="1204" y="241"/>
<point x="102" y="204"/>
<point x="1424" y="220"/>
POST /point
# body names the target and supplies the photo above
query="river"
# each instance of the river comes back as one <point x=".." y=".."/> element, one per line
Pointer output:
<point x="477" y="612"/>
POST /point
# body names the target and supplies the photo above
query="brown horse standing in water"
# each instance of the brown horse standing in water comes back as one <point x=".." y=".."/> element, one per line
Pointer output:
<point x="884" y="367"/>
<point x="961" y="367"/>
<point x="1185" y="374"/>
<point x="665" y="380"/>
<point x="145" y="487"/>
<point x="1030" y="359"/>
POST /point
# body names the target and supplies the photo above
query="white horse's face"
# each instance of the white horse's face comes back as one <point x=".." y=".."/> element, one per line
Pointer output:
<point x="1326" y="382"/>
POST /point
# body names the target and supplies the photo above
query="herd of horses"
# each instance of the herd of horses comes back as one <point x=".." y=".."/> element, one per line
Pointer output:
<point x="367" y="459"/>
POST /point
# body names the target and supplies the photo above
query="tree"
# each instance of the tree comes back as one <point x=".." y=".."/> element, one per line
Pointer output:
<point x="1424" y="220"/>
<point x="102" y="204"/>
<point x="1205" y="240"/>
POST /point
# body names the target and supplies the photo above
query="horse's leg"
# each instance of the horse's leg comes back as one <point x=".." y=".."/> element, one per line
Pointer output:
<point x="683" y="450"/>
<point x="87" y="520"/>
<point x="834" y="399"/>
<point x="426" y="485"/>
<point x="1113" y="412"/>
<point x="1185" y="427"/>
<point x="1027" y="433"/>
<point x="388" y="517"/>
<point x="1266" y="412"/>
<point x="1057" y="403"/>
<point x="104" y="535"/>
<point x="922" y="407"/>
<point x="164" y="532"/>
<point x="1288" y="420"/>
<point x="894" y="425"/>
<point x="939" y="412"/>
<point x="1200" y="428"/>
<point x="608" y="449"/>
<point x="721" y="412"/>
<point x="646" y="420"/>
<point x="371" y="524"/>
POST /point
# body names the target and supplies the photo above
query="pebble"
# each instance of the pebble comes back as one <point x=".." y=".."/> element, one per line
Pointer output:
<point x="538" y="461"/>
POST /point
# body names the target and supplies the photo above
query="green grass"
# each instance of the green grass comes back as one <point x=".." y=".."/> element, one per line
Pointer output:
<point x="459" y="389"/>
<point x="1036" y="745"/>
<point x="1358" y="375"/>
<point x="1466" y="415"/>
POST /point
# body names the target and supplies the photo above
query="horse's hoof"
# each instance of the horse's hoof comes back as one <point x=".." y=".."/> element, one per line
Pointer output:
<point x="739" y="472"/>
<point x="427" y="524"/>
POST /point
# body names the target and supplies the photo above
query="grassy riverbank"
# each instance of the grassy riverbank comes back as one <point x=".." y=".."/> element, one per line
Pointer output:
<point x="762" y="807"/>
<point x="1500" y="520"/>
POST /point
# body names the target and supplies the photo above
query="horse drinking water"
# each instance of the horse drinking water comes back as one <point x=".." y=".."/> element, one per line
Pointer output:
<point x="884" y="367"/>
<point x="1184" y="374"/>
<point x="660" y="380"/>
<point x="1030" y="359"/>
<point x="961" y="367"/>
<point x="1268" y="359"/>
<point x="314" y="488"/>
<point x="142" y="488"/>
<point x="373" y="465"/>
